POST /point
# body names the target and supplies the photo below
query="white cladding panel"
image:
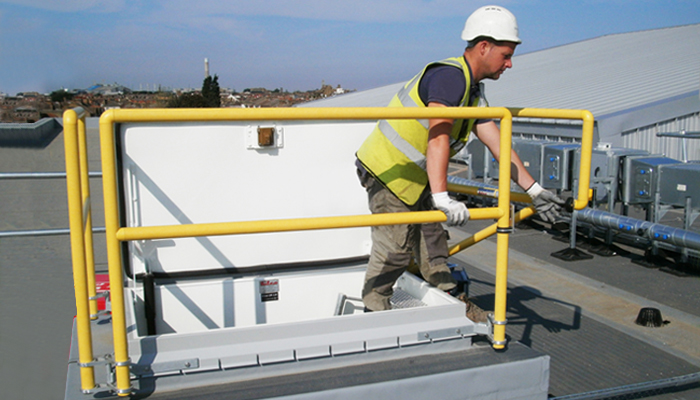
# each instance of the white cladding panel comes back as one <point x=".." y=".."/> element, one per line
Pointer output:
<point x="184" y="173"/>
<point x="646" y="138"/>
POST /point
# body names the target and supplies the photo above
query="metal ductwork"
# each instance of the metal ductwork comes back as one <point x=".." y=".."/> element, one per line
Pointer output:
<point x="490" y="190"/>
<point x="467" y="182"/>
<point x="649" y="230"/>
<point x="652" y="231"/>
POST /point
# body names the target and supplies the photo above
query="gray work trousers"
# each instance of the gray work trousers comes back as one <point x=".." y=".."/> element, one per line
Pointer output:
<point x="393" y="247"/>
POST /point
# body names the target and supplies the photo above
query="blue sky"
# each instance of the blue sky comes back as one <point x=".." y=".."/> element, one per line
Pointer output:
<point x="289" y="44"/>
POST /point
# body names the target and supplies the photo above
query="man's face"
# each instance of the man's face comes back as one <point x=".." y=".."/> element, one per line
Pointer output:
<point x="497" y="58"/>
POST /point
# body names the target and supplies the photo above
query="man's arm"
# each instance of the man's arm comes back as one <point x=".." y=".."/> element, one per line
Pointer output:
<point x="490" y="136"/>
<point x="438" y="153"/>
<point x="437" y="160"/>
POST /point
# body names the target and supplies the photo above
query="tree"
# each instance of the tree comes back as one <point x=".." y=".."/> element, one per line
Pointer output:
<point x="210" y="97"/>
<point x="211" y="92"/>
<point x="61" y="95"/>
<point x="187" y="100"/>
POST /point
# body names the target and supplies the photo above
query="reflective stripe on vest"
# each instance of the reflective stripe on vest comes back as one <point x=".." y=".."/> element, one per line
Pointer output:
<point x="395" y="150"/>
<point x="402" y="144"/>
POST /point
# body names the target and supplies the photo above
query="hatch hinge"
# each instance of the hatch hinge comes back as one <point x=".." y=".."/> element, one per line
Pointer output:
<point x="444" y="333"/>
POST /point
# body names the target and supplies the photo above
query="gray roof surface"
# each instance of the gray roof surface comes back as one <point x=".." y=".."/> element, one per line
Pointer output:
<point x="608" y="75"/>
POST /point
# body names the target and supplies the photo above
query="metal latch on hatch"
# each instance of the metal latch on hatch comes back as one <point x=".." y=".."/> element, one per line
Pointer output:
<point x="264" y="137"/>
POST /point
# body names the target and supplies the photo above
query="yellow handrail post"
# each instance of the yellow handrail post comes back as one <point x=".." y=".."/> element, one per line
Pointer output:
<point x="75" y="207"/>
<point x="503" y="231"/>
<point x="114" y="260"/>
<point x="586" y="153"/>
<point x="87" y="218"/>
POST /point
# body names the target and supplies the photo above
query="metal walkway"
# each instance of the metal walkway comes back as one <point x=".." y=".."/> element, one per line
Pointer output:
<point x="587" y="325"/>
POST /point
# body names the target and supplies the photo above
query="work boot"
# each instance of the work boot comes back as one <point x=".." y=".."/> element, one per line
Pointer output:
<point x="374" y="301"/>
<point x="474" y="312"/>
<point x="440" y="277"/>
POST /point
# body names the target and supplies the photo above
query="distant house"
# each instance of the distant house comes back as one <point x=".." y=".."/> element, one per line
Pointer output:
<point x="26" y="113"/>
<point x="108" y="90"/>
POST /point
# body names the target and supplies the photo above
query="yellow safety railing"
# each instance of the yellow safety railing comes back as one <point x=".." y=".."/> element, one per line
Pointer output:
<point x="115" y="233"/>
<point x="581" y="201"/>
<point x="80" y="220"/>
<point x="584" y="176"/>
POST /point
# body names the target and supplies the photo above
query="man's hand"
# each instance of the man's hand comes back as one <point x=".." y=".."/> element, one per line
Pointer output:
<point x="457" y="213"/>
<point x="547" y="204"/>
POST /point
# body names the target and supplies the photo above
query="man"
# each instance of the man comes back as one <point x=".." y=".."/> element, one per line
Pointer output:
<point x="403" y="163"/>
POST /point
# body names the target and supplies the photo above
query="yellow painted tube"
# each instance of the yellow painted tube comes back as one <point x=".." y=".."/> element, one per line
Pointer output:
<point x="500" y="303"/>
<point x="296" y="114"/>
<point x="287" y="225"/>
<point x="114" y="261"/>
<point x="586" y="153"/>
<point x="502" y="232"/>
<point x="87" y="218"/>
<point x="73" y="184"/>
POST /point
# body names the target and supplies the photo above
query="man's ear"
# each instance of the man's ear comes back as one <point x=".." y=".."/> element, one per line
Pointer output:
<point x="484" y="46"/>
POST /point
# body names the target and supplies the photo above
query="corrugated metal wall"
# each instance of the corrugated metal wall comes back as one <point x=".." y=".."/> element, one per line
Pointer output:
<point x="645" y="138"/>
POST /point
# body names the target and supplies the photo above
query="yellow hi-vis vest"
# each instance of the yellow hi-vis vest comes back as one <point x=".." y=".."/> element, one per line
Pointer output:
<point x="394" y="152"/>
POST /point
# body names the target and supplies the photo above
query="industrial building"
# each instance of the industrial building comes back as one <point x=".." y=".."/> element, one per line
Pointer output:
<point x="643" y="89"/>
<point x="636" y="85"/>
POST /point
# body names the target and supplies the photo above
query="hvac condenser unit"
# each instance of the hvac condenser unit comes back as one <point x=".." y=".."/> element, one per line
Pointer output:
<point x="605" y="169"/>
<point x="641" y="177"/>
<point x="483" y="163"/>
<point x="677" y="182"/>
<point x="529" y="151"/>
<point x="479" y="156"/>
<point x="531" y="154"/>
<point x="557" y="165"/>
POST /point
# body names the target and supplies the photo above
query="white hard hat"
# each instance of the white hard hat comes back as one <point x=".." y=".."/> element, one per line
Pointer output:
<point x="491" y="21"/>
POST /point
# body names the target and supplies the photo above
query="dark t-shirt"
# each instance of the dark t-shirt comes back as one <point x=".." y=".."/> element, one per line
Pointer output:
<point x="442" y="84"/>
<point x="445" y="84"/>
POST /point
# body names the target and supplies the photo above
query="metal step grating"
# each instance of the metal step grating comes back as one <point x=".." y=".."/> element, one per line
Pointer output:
<point x="402" y="299"/>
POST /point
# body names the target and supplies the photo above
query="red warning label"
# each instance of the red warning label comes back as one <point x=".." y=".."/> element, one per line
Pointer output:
<point x="269" y="290"/>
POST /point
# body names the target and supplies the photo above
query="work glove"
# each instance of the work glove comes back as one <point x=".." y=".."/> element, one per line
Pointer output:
<point x="547" y="204"/>
<point x="456" y="212"/>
